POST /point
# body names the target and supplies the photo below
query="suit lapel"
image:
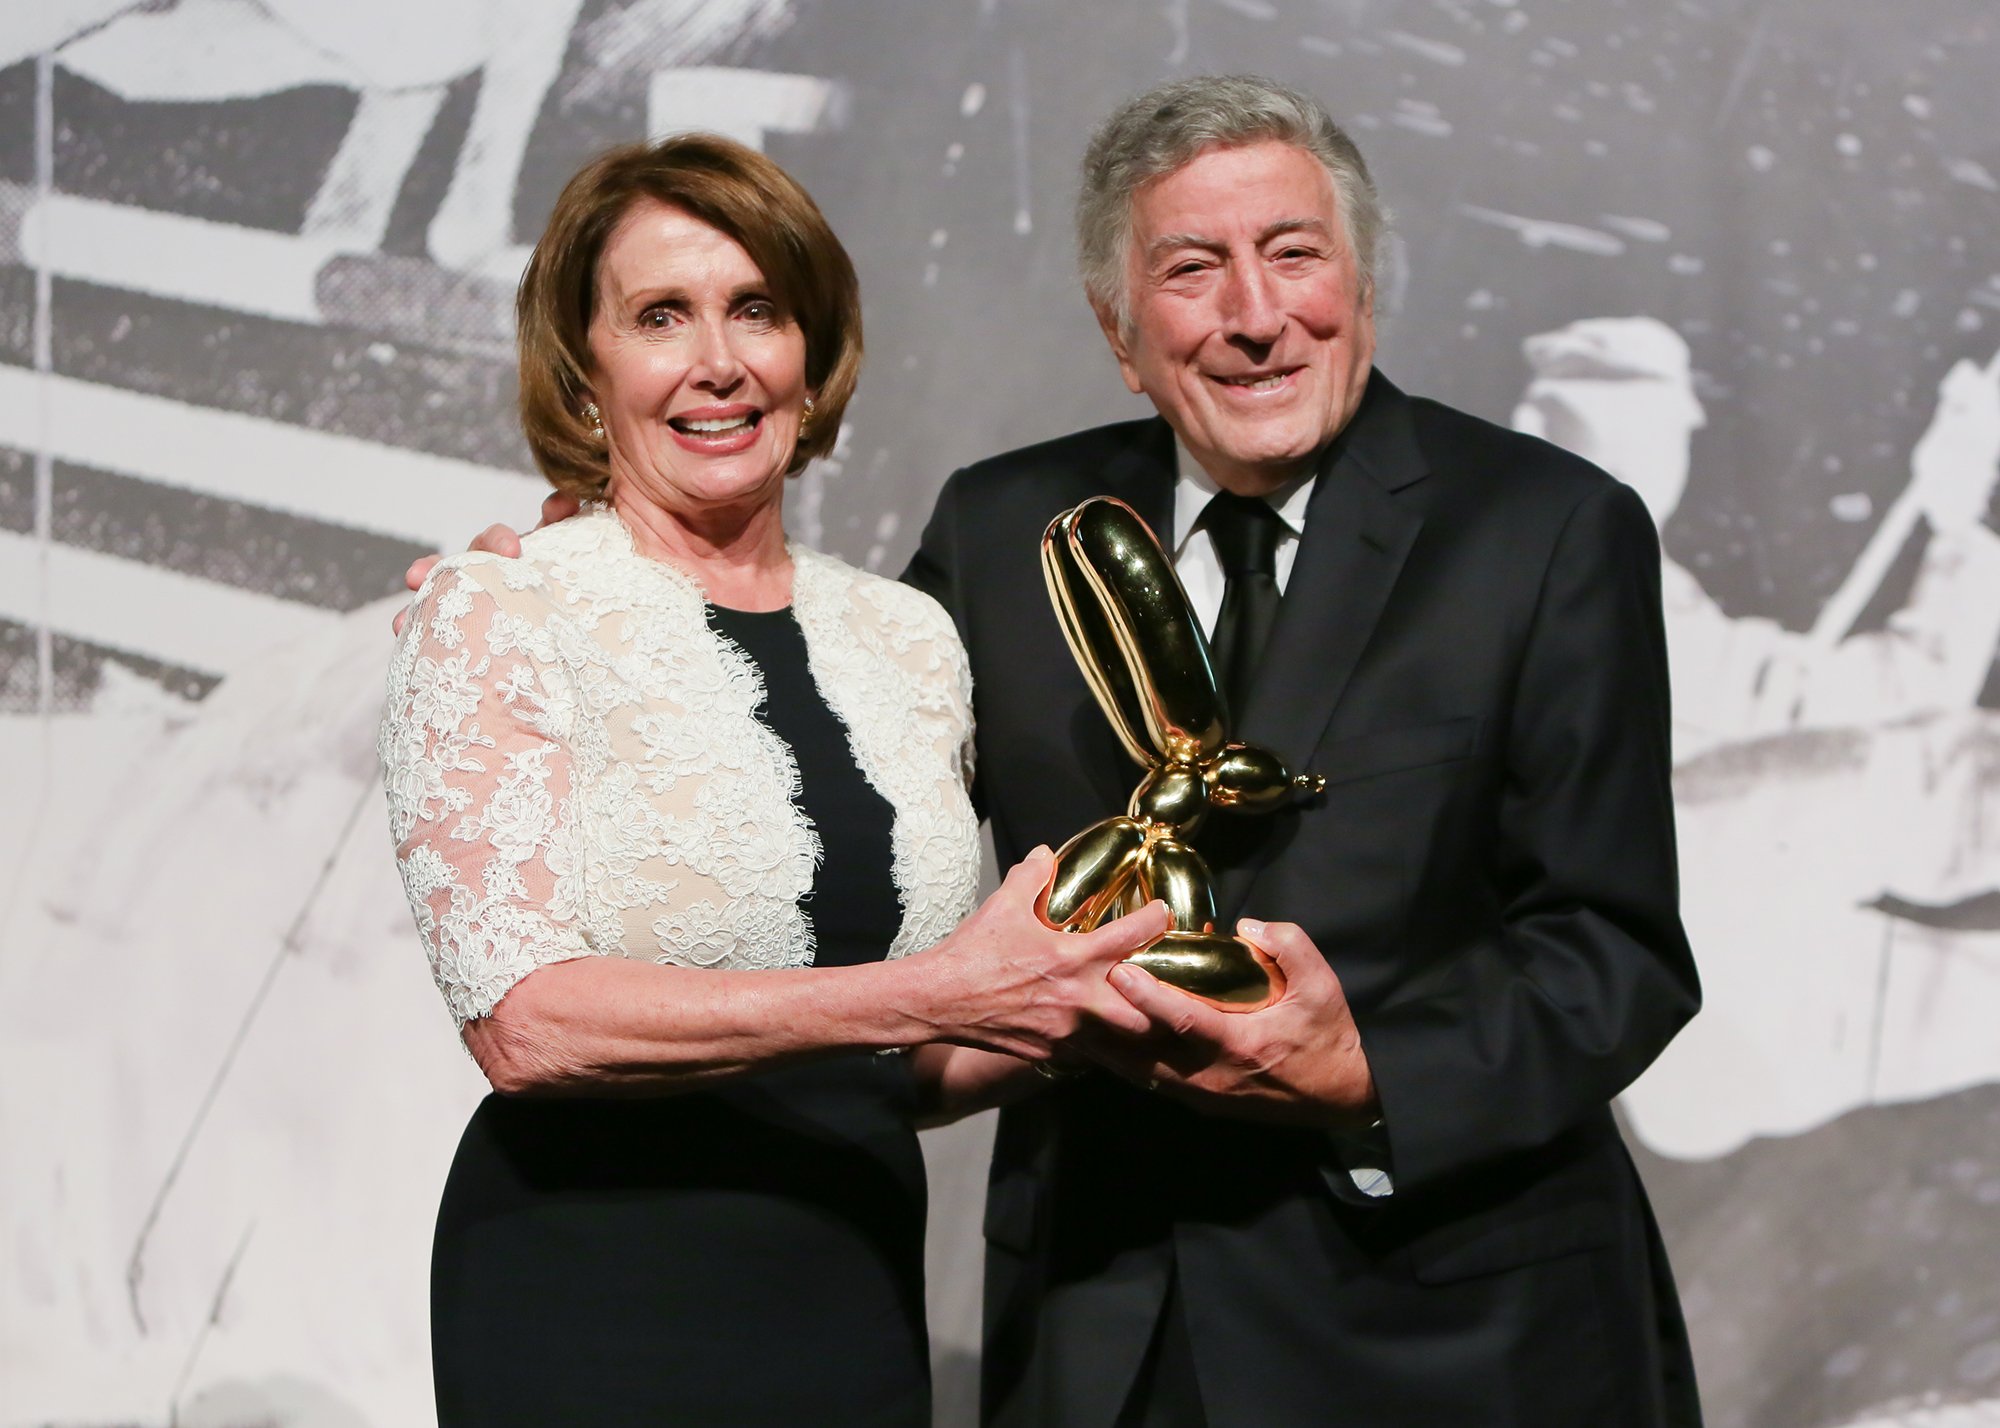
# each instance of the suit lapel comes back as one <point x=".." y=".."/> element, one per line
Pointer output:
<point x="1358" y="534"/>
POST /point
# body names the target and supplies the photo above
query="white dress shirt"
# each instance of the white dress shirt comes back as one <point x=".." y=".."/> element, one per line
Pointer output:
<point x="1195" y="560"/>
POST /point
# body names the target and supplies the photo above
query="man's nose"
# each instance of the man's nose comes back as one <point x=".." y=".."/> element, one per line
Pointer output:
<point x="1250" y="305"/>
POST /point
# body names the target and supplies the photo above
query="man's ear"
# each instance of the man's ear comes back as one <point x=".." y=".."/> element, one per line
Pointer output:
<point x="1365" y="337"/>
<point x="1114" y="333"/>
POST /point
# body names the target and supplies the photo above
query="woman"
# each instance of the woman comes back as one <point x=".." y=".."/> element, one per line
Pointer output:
<point x="663" y="749"/>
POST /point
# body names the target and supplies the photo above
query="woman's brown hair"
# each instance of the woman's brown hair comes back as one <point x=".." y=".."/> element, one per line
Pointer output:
<point x="735" y="190"/>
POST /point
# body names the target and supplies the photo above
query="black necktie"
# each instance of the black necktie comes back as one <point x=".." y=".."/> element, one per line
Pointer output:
<point x="1245" y="531"/>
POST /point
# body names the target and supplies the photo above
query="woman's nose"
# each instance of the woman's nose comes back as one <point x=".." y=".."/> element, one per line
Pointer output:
<point x="717" y="364"/>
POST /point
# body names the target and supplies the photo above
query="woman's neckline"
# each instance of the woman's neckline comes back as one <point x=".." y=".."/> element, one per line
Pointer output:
<point x="610" y="512"/>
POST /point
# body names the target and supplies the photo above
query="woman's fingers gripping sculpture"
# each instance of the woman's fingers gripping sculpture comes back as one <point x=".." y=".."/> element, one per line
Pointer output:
<point x="1008" y="982"/>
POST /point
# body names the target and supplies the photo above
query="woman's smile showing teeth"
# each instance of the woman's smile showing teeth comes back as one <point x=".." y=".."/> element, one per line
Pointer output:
<point x="715" y="428"/>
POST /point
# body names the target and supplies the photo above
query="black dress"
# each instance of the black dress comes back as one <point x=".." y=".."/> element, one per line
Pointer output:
<point x="749" y="1255"/>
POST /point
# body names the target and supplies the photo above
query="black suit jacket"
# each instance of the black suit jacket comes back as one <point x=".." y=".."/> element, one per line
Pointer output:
<point x="1471" y="651"/>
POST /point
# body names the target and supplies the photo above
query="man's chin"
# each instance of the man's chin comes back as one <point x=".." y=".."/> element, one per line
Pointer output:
<point x="1270" y="463"/>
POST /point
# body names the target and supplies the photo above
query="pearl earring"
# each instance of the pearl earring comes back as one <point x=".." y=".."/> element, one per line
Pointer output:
<point x="806" y="420"/>
<point x="595" y="418"/>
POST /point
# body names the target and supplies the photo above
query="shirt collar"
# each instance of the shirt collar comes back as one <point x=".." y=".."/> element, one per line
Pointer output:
<point x="1195" y="487"/>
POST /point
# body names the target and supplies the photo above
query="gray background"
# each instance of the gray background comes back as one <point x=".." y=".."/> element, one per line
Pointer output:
<point x="1803" y="189"/>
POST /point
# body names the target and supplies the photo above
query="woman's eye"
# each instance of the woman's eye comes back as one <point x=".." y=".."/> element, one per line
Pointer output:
<point x="761" y="314"/>
<point x="655" y="317"/>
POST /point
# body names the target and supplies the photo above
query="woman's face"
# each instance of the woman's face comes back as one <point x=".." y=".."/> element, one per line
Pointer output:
<point x="698" y="375"/>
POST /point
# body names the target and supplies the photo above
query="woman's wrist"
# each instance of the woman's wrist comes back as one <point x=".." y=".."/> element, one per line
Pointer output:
<point x="900" y="1003"/>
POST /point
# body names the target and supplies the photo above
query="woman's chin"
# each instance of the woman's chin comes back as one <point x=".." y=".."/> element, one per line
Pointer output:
<point x="675" y="484"/>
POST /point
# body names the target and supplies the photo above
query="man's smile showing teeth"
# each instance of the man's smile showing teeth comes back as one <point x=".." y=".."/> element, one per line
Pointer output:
<point x="1268" y="383"/>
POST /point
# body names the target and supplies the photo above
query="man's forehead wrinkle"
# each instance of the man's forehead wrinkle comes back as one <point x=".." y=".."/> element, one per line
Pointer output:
<point x="1294" y="225"/>
<point x="1168" y="242"/>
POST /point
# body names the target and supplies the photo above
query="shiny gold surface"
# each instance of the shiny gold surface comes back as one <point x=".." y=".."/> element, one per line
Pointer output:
<point x="1092" y="870"/>
<point x="1224" y="971"/>
<point x="1090" y="640"/>
<point x="1178" y="876"/>
<point x="1165" y="651"/>
<point x="1127" y="622"/>
<point x="1247" y="779"/>
<point x="1174" y="796"/>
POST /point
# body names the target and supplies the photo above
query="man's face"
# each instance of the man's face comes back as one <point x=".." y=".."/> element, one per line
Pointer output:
<point x="1250" y="326"/>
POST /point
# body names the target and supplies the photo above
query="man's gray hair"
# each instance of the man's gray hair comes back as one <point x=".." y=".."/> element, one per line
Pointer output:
<point x="1157" y="132"/>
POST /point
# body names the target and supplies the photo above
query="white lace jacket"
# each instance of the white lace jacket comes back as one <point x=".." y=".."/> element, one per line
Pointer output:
<point x="574" y="764"/>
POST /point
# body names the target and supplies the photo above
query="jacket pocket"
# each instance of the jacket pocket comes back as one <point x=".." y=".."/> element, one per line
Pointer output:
<point x="1461" y="1251"/>
<point x="1393" y="750"/>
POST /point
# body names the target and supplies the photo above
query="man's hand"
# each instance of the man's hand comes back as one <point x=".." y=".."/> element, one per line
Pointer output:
<point x="494" y="540"/>
<point x="1298" y="1061"/>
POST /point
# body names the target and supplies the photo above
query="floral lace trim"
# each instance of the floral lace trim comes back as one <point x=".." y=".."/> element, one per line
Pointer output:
<point x="610" y="655"/>
<point x="479" y="946"/>
<point x="864" y="669"/>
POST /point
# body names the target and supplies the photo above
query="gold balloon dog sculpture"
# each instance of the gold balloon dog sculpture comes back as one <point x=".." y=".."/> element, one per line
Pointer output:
<point x="1128" y="623"/>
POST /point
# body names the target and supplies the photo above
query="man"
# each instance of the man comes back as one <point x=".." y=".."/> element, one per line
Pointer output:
<point x="1479" y="930"/>
<point x="1396" y="1196"/>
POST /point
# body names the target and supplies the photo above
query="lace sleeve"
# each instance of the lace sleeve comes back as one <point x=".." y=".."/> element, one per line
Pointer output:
<point x="476" y="760"/>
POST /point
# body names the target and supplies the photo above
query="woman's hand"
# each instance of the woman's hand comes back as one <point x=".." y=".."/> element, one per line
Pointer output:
<point x="1006" y="981"/>
<point x="1003" y="981"/>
